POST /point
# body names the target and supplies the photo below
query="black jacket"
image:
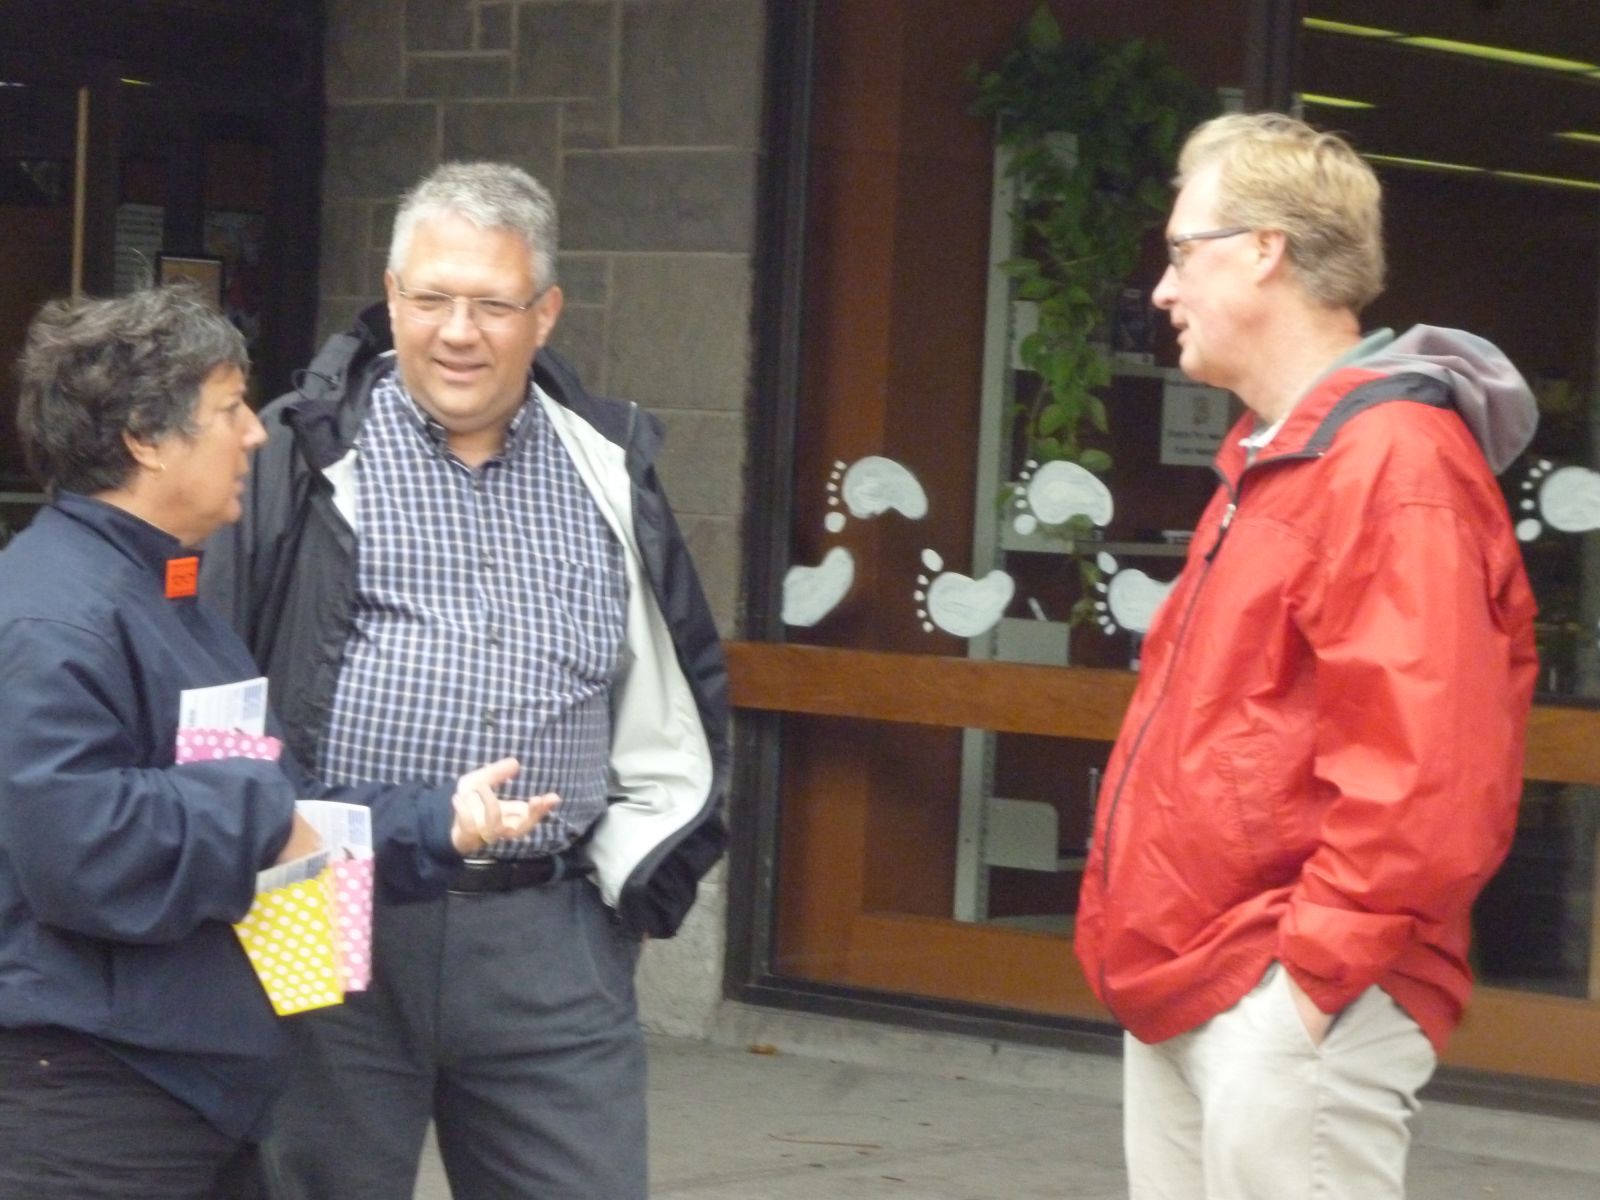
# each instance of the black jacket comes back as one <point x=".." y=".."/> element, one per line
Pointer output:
<point x="286" y="574"/>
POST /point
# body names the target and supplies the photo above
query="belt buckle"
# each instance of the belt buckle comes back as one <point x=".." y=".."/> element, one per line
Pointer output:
<point x="480" y="876"/>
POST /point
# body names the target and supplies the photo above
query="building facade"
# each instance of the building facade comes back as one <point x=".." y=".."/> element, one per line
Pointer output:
<point x="783" y="231"/>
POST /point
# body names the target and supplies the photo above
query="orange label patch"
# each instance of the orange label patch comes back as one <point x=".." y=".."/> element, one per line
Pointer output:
<point x="183" y="577"/>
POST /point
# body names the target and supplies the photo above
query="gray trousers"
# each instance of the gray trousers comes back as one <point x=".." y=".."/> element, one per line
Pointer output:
<point x="1246" y="1107"/>
<point x="508" y="1018"/>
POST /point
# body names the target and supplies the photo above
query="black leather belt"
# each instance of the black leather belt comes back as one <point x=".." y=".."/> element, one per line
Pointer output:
<point x="479" y="875"/>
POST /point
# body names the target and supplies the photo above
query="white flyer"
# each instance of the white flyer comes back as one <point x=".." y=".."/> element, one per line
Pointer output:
<point x="241" y="706"/>
<point x="294" y="871"/>
<point x="346" y="829"/>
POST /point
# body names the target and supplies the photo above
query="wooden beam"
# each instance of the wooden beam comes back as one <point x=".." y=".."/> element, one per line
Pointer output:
<point x="1075" y="702"/>
<point x="920" y="689"/>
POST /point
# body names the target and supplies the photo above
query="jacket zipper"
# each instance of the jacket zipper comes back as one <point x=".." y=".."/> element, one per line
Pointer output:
<point x="1223" y="527"/>
<point x="1222" y="532"/>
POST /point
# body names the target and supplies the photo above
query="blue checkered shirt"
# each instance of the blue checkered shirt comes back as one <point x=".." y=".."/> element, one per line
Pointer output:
<point x="488" y="619"/>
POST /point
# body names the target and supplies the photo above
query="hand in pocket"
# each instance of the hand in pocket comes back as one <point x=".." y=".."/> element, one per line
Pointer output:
<point x="1316" y="1021"/>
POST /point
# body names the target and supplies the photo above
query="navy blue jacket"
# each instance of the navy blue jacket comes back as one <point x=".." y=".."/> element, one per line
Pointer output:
<point x="120" y="872"/>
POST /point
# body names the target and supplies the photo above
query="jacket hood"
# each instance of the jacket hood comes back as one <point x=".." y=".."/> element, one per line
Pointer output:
<point x="1490" y="393"/>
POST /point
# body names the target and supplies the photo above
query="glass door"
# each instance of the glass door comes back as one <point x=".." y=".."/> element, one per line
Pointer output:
<point x="937" y="760"/>
<point x="137" y="145"/>
<point x="42" y="230"/>
<point x="941" y="723"/>
<point x="1483" y="123"/>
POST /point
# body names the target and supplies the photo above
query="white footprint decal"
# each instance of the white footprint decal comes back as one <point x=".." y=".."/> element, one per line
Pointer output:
<point x="868" y="487"/>
<point x="1055" y="493"/>
<point x="1564" y="498"/>
<point x="958" y="604"/>
<point x="1568" y="499"/>
<point x="811" y="593"/>
<point x="1131" y="597"/>
<point x="872" y="486"/>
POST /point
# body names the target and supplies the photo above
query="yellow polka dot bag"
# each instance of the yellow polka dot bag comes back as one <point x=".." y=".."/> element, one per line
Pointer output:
<point x="291" y="933"/>
<point x="292" y="940"/>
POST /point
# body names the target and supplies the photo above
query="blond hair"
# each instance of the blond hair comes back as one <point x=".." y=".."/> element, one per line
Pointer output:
<point x="1279" y="173"/>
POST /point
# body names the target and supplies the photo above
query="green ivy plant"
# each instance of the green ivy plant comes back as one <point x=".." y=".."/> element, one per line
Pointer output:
<point x="1084" y="215"/>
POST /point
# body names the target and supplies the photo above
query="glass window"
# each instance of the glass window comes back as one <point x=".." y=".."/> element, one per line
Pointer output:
<point x="38" y="155"/>
<point x="931" y="520"/>
<point x="970" y="576"/>
<point x="1485" y="129"/>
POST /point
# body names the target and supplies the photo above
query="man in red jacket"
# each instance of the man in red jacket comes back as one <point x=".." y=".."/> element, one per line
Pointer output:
<point x="1321" y="765"/>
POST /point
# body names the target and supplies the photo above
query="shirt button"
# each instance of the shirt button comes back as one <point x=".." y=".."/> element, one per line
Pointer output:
<point x="489" y="721"/>
<point x="488" y="558"/>
<point x="492" y="637"/>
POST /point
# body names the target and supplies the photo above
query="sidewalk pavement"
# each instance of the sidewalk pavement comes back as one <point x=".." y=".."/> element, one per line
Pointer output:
<point x="832" y="1109"/>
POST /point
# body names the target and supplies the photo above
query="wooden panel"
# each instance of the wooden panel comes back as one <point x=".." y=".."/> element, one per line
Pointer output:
<point x="1020" y="698"/>
<point x="823" y="843"/>
<point x="922" y="689"/>
<point x="828" y="936"/>
<point x="1561" y="744"/>
<point x="1033" y="972"/>
<point x="977" y="964"/>
<point x="1524" y="1033"/>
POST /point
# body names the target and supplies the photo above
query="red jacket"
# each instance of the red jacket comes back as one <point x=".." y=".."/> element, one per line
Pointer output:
<point x="1322" y="761"/>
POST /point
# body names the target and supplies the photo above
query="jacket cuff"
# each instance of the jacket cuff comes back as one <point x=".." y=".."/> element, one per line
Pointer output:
<point x="435" y="816"/>
<point x="1335" y="954"/>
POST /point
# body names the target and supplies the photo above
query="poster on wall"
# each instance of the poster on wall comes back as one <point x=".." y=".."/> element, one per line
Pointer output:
<point x="1194" y="419"/>
<point x="235" y="238"/>
<point x="231" y="273"/>
<point x="204" y="273"/>
<point x="138" y="244"/>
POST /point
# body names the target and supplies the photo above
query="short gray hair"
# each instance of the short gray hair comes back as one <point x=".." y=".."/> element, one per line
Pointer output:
<point x="93" y="370"/>
<point x="491" y="196"/>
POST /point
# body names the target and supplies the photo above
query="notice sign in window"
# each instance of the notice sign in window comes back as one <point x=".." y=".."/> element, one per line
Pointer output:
<point x="1194" y="419"/>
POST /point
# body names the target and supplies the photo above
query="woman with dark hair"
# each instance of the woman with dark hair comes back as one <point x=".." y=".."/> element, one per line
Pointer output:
<point x="138" y="1052"/>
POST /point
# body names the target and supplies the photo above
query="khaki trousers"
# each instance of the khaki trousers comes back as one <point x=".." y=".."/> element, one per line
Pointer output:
<point x="1246" y="1107"/>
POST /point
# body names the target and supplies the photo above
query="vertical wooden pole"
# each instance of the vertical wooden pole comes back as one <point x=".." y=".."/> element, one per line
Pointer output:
<point x="80" y="191"/>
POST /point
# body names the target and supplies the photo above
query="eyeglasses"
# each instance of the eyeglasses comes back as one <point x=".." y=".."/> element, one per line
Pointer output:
<point x="490" y="314"/>
<point x="1175" y="243"/>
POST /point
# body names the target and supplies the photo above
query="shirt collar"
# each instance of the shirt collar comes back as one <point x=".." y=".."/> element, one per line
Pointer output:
<point x="1261" y="436"/>
<point x="439" y="437"/>
<point x="150" y="548"/>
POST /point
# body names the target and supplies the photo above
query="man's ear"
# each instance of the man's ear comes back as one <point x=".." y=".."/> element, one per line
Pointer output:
<point x="1272" y="252"/>
<point x="391" y="289"/>
<point x="547" y="311"/>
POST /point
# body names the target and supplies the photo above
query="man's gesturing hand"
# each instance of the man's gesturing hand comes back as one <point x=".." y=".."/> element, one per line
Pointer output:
<point x="482" y="817"/>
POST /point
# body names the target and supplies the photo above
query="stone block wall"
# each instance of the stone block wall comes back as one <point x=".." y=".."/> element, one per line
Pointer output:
<point x="643" y="118"/>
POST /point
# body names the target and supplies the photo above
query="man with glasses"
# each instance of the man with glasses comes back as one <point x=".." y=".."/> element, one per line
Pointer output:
<point x="450" y="545"/>
<point x="1320" y="767"/>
